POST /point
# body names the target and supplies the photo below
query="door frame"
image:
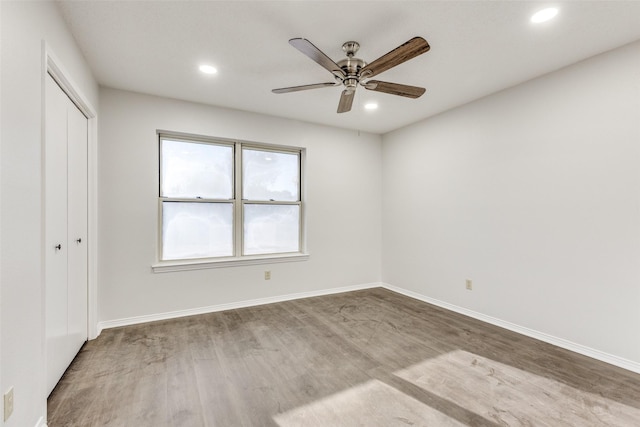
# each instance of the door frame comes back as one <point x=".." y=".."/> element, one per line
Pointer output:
<point x="53" y="66"/>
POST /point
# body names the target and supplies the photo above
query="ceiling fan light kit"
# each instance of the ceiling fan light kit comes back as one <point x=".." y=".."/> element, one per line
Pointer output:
<point x="352" y="71"/>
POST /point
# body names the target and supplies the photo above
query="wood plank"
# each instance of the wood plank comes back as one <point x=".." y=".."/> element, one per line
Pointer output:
<point x="373" y="356"/>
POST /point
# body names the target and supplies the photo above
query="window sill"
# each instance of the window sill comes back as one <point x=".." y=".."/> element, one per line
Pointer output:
<point x="186" y="265"/>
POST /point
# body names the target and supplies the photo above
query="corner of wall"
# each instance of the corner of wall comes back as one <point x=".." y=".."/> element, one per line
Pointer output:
<point x="550" y="339"/>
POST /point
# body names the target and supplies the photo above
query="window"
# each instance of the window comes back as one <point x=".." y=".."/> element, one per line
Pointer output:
<point x="227" y="201"/>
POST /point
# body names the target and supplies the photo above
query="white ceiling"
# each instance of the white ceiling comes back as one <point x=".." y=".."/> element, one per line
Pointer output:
<point x="477" y="48"/>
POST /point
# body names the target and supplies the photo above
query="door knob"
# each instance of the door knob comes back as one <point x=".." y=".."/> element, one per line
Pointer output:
<point x="58" y="246"/>
<point x="79" y="240"/>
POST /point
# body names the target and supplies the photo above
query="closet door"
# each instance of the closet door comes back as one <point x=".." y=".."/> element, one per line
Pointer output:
<point x="77" y="212"/>
<point x="56" y="249"/>
<point x="65" y="231"/>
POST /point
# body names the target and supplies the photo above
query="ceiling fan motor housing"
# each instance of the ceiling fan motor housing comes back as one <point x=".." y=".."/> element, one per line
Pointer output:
<point x="351" y="67"/>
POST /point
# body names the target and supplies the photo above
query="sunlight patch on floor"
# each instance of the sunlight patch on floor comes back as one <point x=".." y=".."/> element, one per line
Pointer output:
<point x="373" y="403"/>
<point x="511" y="396"/>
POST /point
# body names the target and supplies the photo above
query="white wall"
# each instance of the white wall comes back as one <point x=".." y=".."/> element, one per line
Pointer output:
<point x="533" y="193"/>
<point x="23" y="27"/>
<point x="2" y="390"/>
<point x="343" y="172"/>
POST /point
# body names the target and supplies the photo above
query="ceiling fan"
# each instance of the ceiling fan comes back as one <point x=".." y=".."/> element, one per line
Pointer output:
<point x="352" y="71"/>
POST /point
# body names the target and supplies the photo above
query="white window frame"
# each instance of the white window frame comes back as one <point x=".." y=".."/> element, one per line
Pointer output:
<point x="238" y="259"/>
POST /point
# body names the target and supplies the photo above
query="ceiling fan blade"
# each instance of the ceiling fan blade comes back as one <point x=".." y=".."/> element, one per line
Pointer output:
<point x="346" y="100"/>
<point x="308" y="48"/>
<point x="395" y="88"/>
<point x="414" y="47"/>
<point x="303" y="87"/>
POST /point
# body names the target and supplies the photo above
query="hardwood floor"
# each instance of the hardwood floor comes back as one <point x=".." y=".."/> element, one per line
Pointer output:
<point x="364" y="358"/>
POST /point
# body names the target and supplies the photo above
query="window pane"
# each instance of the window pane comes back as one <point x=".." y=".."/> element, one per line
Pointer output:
<point x="271" y="229"/>
<point x="193" y="170"/>
<point x="270" y="176"/>
<point x="196" y="230"/>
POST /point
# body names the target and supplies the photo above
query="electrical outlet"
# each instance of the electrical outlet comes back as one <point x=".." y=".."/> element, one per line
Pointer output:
<point x="267" y="275"/>
<point x="8" y="404"/>
<point x="469" y="285"/>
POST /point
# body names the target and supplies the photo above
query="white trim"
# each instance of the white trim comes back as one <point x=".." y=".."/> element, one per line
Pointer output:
<point x="559" y="342"/>
<point x="238" y="203"/>
<point x="195" y="137"/>
<point x="92" y="229"/>
<point x="53" y="66"/>
<point x="230" y="306"/>
<point x="57" y="71"/>
<point x="182" y="265"/>
<point x="41" y="422"/>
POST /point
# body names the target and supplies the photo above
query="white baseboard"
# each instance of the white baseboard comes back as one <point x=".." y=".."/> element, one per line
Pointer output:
<point x="41" y="423"/>
<point x="559" y="342"/>
<point x="229" y="306"/>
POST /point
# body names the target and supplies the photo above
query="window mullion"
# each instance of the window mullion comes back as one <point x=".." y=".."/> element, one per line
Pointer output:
<point x="238" y="203"/>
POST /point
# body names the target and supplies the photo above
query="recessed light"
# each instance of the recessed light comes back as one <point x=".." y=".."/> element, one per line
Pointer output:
<point x="370" y="106"/>
<point x="544" y="15"/>
<point x="208" y="69"/>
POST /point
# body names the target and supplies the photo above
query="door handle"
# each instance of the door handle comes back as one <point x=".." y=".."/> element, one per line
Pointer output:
<point x="58" y="246"/>
<point x="79" y="240"/>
